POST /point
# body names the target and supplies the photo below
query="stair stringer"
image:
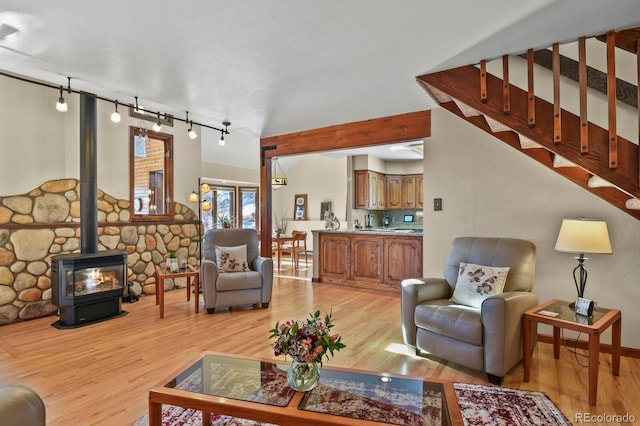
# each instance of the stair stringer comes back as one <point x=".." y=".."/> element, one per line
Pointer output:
<point x="456" y="94"/>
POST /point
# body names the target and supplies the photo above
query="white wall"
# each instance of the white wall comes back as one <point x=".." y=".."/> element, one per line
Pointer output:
<point x="38" y="143"/>
<point x="490" y="189"/>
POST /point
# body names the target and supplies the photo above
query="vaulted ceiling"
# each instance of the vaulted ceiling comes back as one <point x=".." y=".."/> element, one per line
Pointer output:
<point x="279" y="66"/>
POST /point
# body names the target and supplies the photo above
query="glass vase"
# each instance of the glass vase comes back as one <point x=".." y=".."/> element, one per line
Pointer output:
<point x="303" y="376"/>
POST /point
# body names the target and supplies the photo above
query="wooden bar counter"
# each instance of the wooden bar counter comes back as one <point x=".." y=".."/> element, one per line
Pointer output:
<point x="373" y="259"/>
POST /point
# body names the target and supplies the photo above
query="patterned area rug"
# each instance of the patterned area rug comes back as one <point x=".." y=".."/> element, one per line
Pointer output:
<point x="480" y="405"/>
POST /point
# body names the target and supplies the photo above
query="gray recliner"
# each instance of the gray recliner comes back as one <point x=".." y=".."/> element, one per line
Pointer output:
<point x="235" y="288"/>
<point x="20" y="405"/>
<point x="488" y="338"/>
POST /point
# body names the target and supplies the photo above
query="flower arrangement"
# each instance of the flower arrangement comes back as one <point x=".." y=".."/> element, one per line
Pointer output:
<point x="307" y="341"/>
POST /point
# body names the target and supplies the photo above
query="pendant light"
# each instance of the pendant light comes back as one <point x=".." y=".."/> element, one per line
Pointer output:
<point x="192" y="134"/>
<point x="278" y="178"/>
<point x="157" y="126"/>
<point x="61" y="105"/>
<point x="115" y="116"/>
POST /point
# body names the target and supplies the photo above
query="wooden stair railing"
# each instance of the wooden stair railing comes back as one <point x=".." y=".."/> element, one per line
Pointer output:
<point x="479" y="98"/>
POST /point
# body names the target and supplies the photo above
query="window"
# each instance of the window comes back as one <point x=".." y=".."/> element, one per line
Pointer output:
<point x="249" y="207"/>
<point x="151" y="175"/>
<point x="231" y="207"/>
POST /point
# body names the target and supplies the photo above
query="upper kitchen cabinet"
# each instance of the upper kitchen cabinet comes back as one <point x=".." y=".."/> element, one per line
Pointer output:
<point x="369" y="190"/>
<point x="404" y="192"/>
<point x="394" y="191"/>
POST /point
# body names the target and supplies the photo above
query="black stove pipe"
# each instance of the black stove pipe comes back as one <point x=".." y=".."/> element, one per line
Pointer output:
<point x="88" y="174"/>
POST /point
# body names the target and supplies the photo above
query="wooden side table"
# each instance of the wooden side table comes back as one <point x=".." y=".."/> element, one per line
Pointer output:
<point x="190" y="273"/>
<point x="558" y="314"/>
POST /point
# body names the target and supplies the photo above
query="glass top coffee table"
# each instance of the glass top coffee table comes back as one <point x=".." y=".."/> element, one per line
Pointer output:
<point x="258" y="390"/>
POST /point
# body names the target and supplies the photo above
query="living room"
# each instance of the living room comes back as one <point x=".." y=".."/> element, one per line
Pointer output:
<point x="486" y="187"/>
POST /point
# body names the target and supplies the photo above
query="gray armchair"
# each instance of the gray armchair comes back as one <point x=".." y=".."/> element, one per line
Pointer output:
<point x="235" y="288"/>
<point x="488" y="338"/>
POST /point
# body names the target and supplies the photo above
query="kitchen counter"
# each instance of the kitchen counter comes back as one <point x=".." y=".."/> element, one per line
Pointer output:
<point x="381" y="231"/>
<point x="377" y="258"/>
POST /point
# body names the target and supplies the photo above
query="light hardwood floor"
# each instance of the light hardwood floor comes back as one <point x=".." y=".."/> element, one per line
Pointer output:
<point x="100" y="374"/>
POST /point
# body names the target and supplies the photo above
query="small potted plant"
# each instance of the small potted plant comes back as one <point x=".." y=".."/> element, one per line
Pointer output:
<point x="224" y="221"/>
<point x="172" y="262"/>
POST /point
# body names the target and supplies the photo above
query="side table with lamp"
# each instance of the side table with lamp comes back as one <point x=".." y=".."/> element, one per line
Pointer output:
<point x="578" y="236"/>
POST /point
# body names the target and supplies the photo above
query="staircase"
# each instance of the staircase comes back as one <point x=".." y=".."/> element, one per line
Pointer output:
<point x="598" y="159"/>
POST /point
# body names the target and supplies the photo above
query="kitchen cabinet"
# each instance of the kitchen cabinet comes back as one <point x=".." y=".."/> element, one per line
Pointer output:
<point x="394" y="187"/>
<point x="404" y="192"/>
<point x="369" y="190"/>
<point x="419" y="192"/>
<point x="368" y="259"/>
<point x="409" y="192"/>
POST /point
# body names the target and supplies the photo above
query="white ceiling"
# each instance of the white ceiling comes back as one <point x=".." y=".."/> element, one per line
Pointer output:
<point x="279" y="66"/>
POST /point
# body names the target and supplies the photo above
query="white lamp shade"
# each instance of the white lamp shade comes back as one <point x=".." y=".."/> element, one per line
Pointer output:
<point x="584" y="236"/>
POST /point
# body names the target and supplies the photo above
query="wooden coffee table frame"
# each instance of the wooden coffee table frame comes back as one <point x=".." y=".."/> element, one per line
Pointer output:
<point x="285" y="416"/>
<point x="612" y="318"/>
<point x="190" y="273"/>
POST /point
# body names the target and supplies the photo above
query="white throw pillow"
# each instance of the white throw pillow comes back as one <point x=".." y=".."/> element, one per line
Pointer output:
<point x="232" y="259"/>
<point x="477" y="282"/>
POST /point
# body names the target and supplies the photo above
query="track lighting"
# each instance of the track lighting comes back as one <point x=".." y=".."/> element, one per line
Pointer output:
<point x="61" y="105"/>
<point x="192" y="134"/>
<point x="226" y="124"/>
<point x="157" y="126"/>
<point x="115" y="116"/>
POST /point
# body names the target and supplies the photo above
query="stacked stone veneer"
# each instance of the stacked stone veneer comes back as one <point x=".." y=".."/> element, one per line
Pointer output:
<point x="45" y="222"/>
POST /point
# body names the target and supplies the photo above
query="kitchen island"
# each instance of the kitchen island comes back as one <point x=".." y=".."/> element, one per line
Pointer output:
<point x="368" y="258"/>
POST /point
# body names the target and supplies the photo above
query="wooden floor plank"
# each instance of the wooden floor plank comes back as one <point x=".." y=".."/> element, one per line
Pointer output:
<point x="101" y="374"/>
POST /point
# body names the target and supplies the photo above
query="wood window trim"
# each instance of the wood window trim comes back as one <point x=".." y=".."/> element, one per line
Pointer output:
<point x="168" y="176"/>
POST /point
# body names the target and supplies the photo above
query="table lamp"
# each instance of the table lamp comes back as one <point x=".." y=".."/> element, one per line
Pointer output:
<point x="583" y="236"/>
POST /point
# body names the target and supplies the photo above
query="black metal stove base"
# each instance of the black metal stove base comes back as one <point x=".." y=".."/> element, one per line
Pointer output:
<point x="61" y="326"/>
<point x="89" y="313"/>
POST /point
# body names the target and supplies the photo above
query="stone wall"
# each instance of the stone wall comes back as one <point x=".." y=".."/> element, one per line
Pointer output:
<point x="45" y="222"/>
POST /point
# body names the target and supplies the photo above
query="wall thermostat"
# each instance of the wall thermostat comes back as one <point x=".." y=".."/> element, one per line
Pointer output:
<point x="584" y="306"/>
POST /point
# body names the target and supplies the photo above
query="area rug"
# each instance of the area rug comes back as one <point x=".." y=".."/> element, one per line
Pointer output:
<point x="480" y="405"/>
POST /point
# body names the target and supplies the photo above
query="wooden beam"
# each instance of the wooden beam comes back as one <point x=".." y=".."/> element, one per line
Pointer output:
<point x="557" y="111"/>
<point x="611" y="93"/>
<point x="531" y="96"/>
<point x="378" y="131"/>
<point x="584" y="120"/>
<point x="506" y="97"/>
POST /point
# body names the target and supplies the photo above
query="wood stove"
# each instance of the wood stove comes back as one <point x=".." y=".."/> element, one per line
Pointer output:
<point x="88" y="287"/>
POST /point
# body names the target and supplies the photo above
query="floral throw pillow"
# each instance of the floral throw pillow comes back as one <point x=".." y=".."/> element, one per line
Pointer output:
<point x="477" y="282"/>
<point x="232" y="259"/>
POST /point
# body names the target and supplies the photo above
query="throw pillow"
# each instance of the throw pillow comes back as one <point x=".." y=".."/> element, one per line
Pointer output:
<point x="232" y="259"/>
<point x="477" y="282"/>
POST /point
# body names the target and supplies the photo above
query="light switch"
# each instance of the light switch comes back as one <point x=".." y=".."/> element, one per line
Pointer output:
<point x="437" y="204"/>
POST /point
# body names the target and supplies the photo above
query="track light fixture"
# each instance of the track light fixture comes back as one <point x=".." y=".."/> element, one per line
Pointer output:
<point x="226" y="124"/>
<point x="192" y="133"/>
<point x="157" y="126"/>
<point x="61" y="105"/>
<point x="115" y="116"/>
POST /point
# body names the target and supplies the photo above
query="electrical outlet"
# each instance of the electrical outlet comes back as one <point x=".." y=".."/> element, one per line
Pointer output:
<point x="437" y="204"/>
